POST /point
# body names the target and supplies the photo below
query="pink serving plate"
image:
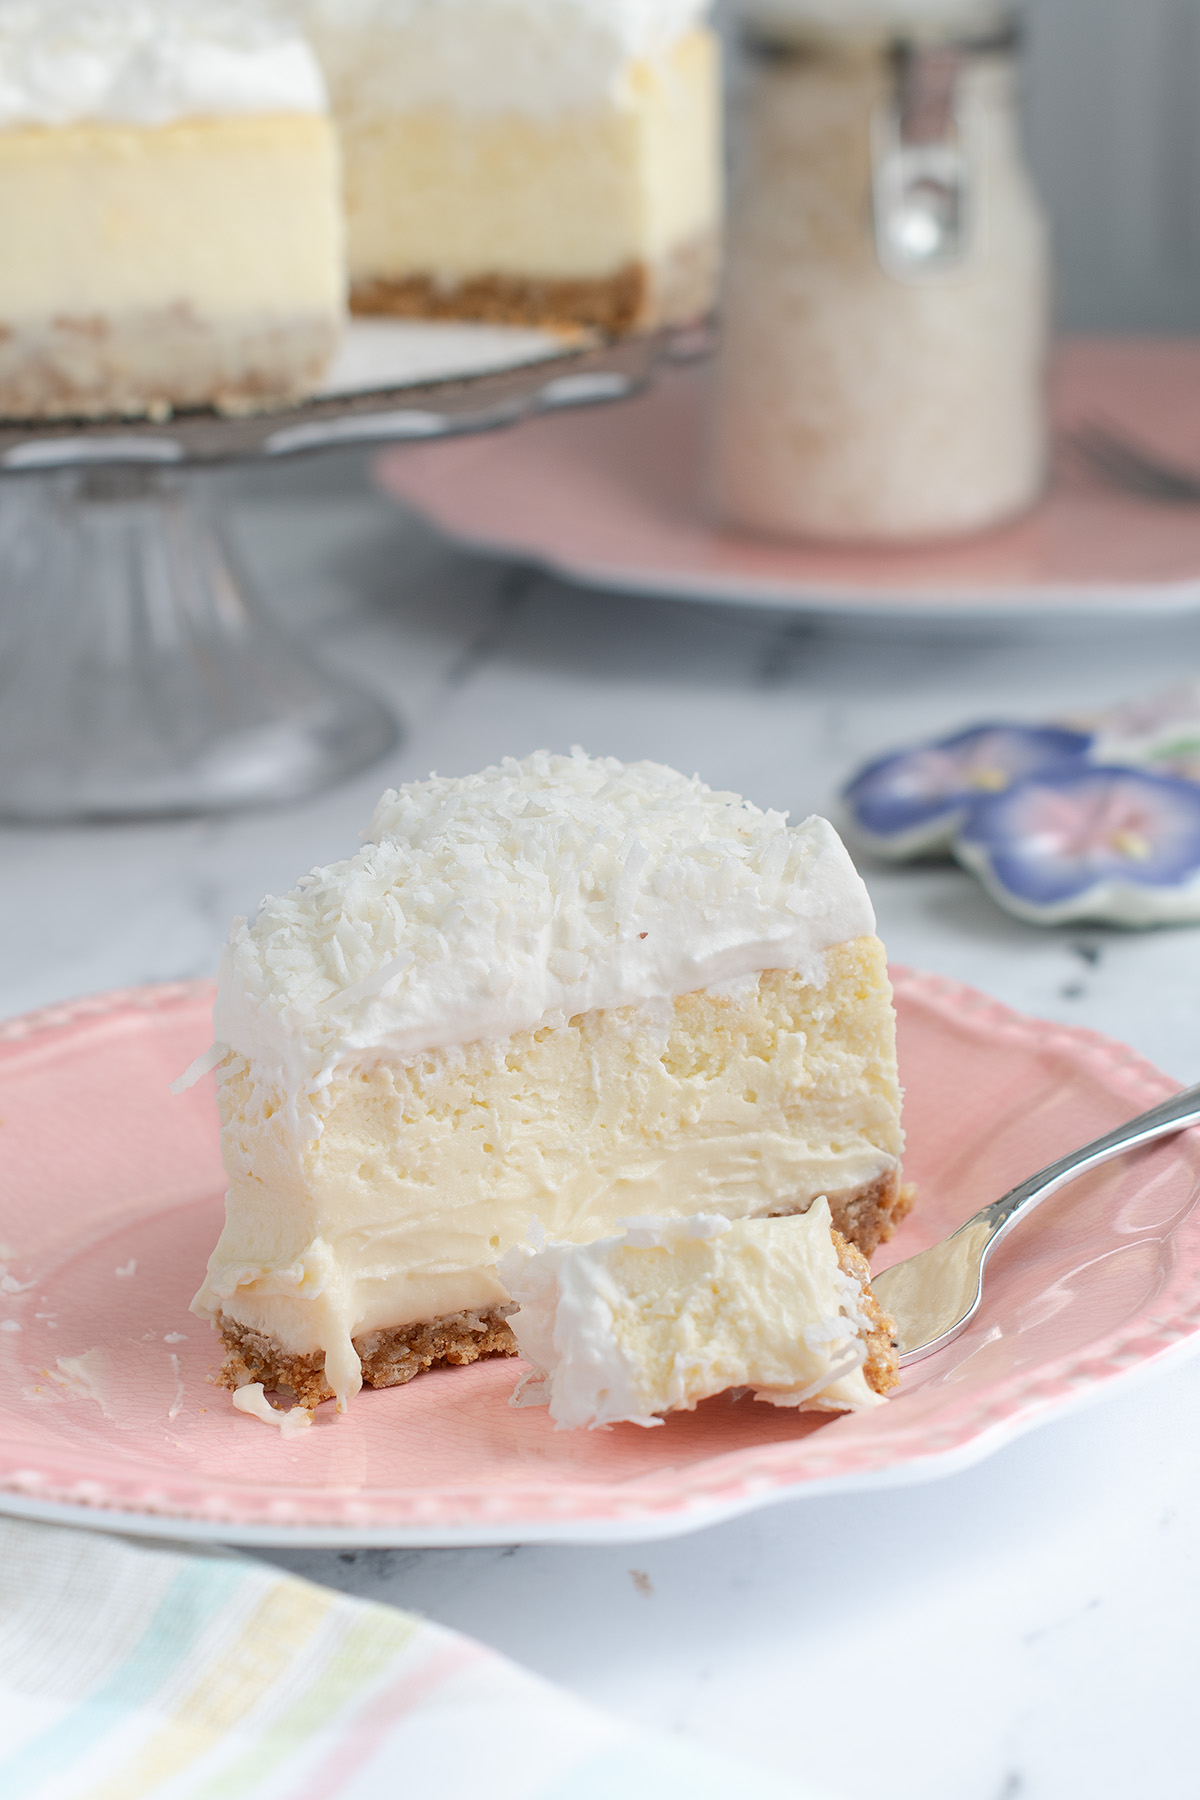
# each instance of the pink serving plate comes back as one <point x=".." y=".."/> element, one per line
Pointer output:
<point x="612" y="498"/>
<point x="112" y="1198"/>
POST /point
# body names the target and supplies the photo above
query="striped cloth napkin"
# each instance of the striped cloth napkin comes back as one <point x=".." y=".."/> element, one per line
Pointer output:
<point x="135" y="1672"/>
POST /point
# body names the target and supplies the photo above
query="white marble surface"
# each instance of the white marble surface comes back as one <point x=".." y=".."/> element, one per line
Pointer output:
<point x="1025" y="1629"/>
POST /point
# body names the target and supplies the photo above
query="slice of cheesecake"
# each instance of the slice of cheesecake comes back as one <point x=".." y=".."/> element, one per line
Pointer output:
<point x="565" y="990"/>
<point x="169" y="207"/>
<point x="671" y="1312"/>
<point x="543" y="163"/>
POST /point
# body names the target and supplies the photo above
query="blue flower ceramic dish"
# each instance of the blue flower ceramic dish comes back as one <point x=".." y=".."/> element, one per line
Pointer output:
<point x="915" y="801"/>
<point x="1114" y="844"/>
<point x="1096" y="819"/>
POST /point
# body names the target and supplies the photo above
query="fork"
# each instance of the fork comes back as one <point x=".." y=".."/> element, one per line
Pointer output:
<point x="934" y="1295"/>
<point x="1133" y="468"/>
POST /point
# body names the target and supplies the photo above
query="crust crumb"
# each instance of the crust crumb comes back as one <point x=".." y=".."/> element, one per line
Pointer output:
<point x="882" y="1367"/>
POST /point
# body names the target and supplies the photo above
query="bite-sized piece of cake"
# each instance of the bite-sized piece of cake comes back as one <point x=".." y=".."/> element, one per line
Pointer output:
<point x="564" y="989"/>
<point x="529" y="161"/>
<point x="169" y="208"/>
<point x="672" y="1311"/>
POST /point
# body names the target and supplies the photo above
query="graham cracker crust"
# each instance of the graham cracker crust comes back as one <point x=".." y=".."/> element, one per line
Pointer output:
<point x="389" y="1358"/>
<point x="867" y="1215"/>
<point x="882" y="1367"/>
<point x="636" y="297"/>
<point x="612" y="303"/>
<point x="863" y="1218"/>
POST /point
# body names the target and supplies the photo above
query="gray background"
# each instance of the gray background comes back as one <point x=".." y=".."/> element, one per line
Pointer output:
<point x="1113" y="107"/>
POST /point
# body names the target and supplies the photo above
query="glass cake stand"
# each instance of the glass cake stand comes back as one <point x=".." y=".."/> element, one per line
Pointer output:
<point x="139" y="674"/>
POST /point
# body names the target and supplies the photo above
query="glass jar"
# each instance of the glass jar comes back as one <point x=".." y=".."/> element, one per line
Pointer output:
<point x="886" y="302"/>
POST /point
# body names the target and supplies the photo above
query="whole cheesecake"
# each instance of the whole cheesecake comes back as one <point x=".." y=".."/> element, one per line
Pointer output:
<point x="169" y="208"/>
<point x="564" y="991"/>
<point x="532" y="161"/>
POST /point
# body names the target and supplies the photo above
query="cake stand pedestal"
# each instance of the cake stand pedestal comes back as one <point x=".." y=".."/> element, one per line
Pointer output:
<point x="139" y="675"/>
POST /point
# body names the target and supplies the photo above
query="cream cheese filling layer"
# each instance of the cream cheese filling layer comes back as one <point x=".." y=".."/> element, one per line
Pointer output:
<point x="427" y="1260"/>
<point x="114" y="219"/>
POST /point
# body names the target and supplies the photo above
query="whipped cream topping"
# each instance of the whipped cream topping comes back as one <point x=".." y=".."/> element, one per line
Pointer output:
<point x="533" y="891"/>
<point x="147" y="62"/>
<point x="490" y="56"/>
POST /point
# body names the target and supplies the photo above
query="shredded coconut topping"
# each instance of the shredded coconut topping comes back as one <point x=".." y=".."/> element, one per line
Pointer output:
<point x="523" y="895"/>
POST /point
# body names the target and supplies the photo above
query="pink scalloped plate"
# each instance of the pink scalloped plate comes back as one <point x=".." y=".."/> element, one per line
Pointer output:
<point x="612" y="498"/>
<point x="111" y="1200"/>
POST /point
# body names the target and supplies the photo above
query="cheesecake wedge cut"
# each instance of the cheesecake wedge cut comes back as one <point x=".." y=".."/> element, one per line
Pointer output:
<point x="169" y="206"/>
<point x="567" y="991"/>
<point x="538" y="162"/>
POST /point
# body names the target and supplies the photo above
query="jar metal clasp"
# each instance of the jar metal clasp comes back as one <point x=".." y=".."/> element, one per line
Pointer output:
<point x="921" y="172"/>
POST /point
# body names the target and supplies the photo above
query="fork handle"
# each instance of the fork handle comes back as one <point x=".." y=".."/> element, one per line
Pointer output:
<point x="1175" y="1114"/>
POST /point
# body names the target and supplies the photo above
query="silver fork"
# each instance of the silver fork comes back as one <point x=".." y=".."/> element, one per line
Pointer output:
<point x="934" y="1294"/>
<point x="1132" y="467"/>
